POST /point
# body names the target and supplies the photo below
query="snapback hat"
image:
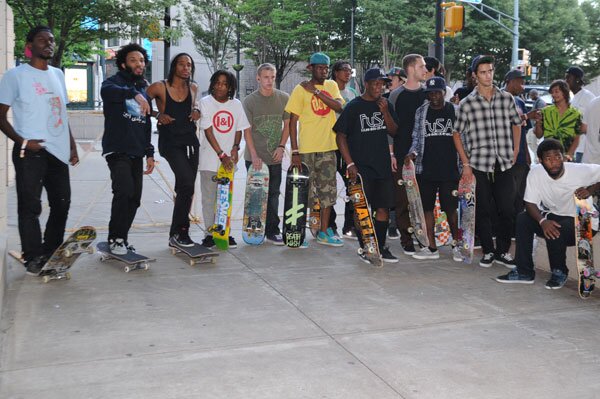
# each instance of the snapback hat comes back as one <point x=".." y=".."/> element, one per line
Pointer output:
<point x="319" y="59"/>
<point x="436" y="83"/>
<point x="575" y="71"/>
<point x="481" y="59"/>
<point x="376" y="73"/>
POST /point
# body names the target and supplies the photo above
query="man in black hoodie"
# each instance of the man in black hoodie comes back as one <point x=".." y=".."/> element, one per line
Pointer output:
<point x="126" y="140"/>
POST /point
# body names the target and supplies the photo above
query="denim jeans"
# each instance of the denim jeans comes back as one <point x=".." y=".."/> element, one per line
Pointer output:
<point x="127" y="175"/>
<point x="275" y="171"/>
<point x="35" y="171"/>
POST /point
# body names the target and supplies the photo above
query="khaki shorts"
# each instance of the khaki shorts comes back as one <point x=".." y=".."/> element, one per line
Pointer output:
<point x="323" y="183"/>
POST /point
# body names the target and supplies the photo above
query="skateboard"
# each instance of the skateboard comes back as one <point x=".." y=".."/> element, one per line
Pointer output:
<point x="196" y="254"/>
<point x="314" y="219"/>
<point x="255" y="205"/>
<point x="18" y="255"/>
<point x="295" y="206"/>
<point x="132" y="260"/>
<point x="57" y="266"/>
<point x="415" y="206"/>
<point x="466" y="218"/>
<point x="442" y="228"/>
<point x="585" y="255"/>
<point x="220" y="229"/>
<point x="363" y="222"/>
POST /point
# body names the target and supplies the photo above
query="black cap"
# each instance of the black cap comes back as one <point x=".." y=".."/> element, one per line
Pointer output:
<point x="437" y="83"/>
<point x="376" y="73"/>
<point x="575" y="71"/>
<point x="513" y="74"/>
<point x="481" y="59"/>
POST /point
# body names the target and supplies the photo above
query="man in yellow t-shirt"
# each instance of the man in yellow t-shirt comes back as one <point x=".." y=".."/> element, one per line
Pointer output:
<point x="312" y="106"/>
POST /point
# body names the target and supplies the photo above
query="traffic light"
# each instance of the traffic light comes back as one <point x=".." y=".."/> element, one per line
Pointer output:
<point x="524" y="56"/>
<point x="454" y="19"/>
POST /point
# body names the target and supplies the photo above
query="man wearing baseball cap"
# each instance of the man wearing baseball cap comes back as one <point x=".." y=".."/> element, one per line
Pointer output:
<point x="581" y="99"/>
<point x="436" y="161"/>
<point x="487" y="134"/>
<point x="397" y="78"/>
<point x="362" y="132"/>
<point x="313" y="103"/>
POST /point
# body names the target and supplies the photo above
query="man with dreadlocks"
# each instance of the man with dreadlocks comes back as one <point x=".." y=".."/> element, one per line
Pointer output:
<point x="177" y="140"/>
<point x="223" y="120"/>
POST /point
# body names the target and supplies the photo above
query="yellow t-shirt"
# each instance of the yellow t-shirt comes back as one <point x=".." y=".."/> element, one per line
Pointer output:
<point x="316" y="119"/>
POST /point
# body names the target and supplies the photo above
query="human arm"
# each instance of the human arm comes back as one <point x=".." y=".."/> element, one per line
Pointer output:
<point x="342" y="143"/>
<point x="467" y="171"/>
<point x="332" y="103"/>
<point x="390" y="123"/>
<point x="195" y="114"/>
<point x="516" y="136"/>
<point x="256" y="161"/>
<point x="285" y="134"/>
<point x="10" y="132"/>
<point x="226" y="160"/>
<point x="296" y="159"/>
<point x="73" y="157"/>
<point x="157" y="92"/>
<point x="539" y="125"/>
<point x="114" y="93"/>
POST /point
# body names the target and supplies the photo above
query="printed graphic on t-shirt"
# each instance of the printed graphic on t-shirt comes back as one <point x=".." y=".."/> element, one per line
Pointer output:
<point x="133" y="111"/>
<point x="318" y="106"/>
<point x="55" y="118"/>
<point x="439" y="127"/>
<point x="223" y="121"/>
<point x="269" y="126"/>
<point x="372" y="123"/>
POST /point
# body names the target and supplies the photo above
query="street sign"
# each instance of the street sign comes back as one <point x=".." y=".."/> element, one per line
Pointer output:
<point x="471" y="1"/>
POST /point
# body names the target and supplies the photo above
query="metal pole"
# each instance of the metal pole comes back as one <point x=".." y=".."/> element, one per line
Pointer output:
<point x="515" y="48"/>
<point x="167" y="42"/>
<point x="352" y="11"/>
<point x="237" y="70"/>
<point x="439" y="27"/>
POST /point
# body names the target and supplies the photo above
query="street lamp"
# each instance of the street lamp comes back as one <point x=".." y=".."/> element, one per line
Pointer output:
<point x="352" y="12"/>
<point x="547" y="64"/>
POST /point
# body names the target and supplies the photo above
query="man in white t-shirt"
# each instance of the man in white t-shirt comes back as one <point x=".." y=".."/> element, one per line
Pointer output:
<point x="591" y="117"/>
<point x="43" y="146"/>
<point x="223" y="120"/>
<point x="581" y="99"/>
<point x="549" y="212"/>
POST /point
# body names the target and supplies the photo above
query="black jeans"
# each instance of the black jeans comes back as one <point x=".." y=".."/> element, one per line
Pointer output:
<point x="527" y="228"/>
<point x="127" y="175"/>
<point x="520" y="172"/>
<point x="272" y="227"/>
<point x="184" y="164"/>
<point x="35" y="171"/>
<point x="497" y="187"/>
<point x="348" y="208"/>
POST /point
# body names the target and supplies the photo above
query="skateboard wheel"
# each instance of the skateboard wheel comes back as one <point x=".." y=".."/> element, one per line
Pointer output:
<point x="586" y="273"/>
<point x="91" y="250"/>
<point x="409" y="183"/>
<point x="357" y="196"/>
<point x="410" y="230"/>
<point x="400" y="182"/>
<point x="214" y="178"/>
<point x="68" y="253"/>
<point x="468" y="196"/>
<point x="46" y="279"/>
<point x="419" y="232"/>
<point x="192" y="262"/>
<point x="146" y="266"/>
<point x="68" y="275"/>
<point x="466" y="246"/>
<point x="455" y="193"/>
<point x="371" y="250"/>
<point x="213" y="260"/>
<point x="127" y="269"/>
<point x="173" y="251"/>
<point x="361" y="251"/>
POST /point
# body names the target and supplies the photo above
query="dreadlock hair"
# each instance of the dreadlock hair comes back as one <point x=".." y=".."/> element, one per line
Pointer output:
<point x="338" y="67"/>
<point x="174" y="66"/>
<point x="231" y="82"/>
<point x="123" y="51"/>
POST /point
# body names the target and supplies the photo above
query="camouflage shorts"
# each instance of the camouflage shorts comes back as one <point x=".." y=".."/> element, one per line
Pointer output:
<point x="322" y="166"/>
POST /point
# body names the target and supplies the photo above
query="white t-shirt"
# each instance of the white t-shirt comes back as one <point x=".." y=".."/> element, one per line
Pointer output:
<point x="556" y="196"/>
<point x="39" y="100"/>
<point x="591" y="118"/>
<point x="581" y="100"/>
<point x="226" y="119"/>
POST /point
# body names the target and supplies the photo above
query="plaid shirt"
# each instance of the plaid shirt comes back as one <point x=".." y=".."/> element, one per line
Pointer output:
<point x="486" y="129"/>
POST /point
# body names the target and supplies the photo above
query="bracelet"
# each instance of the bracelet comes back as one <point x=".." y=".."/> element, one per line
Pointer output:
<point x="23" y="147"/>
<point x="466" y="164"/>
<point x="391" y="154"/>
<point x="222" y="155"/>
<point x="281" y="146"/>
<point x="196" y="109"/>
<point x="350" y="164"/>
<point x="237" y="146"/>
<point x="316" y="92"/>
<point x="157" y="115"/>
<point x="542" y="220"/>
<point x="295" y="152"/>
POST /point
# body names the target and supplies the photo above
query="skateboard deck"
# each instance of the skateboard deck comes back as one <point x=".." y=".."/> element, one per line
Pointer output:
<point x="220" y="229"/>
<point x="57" y="266"/>
<point x="363" y="221"/>
<point x="18" y="255"/>
<point x="255" y="205"/>
<point x="466" y="218"/>
<point x="295" y="206"/>
<point x="314" y="219"/>
<point x="415" y="206"/>
<point x="585" y="255"/>
<point x="196" y="254"/>
<point x="132" y="260"/>
<point x="442" y="228"/>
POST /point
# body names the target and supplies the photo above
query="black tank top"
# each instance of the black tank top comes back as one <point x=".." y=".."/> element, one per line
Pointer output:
<point x="182" y="132"/>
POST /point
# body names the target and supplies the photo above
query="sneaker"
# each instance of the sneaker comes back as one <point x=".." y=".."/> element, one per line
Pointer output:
<point x="387" y="256"/>
<point x="487" y="260"/>
<point x="427" y="253"/>
<point x="505" y="259"/>
<point x="513" y="277"/>
<point x="409" y="249"/>
<point x="328" y="239"/>
<point x="350" y="234"/>
<point x="35" y="265"/>
<point x="275" y="239"/>
<point x="208" y="242"/>
<point x="557" y="281"/>
<point x="363" y="257"/>
<point x="117" y="247"/>
<point x="393" y="233"/>
<point x="232" y="243"/>
<point x="456" y="255"/>
<point x="334" y="233"/>
<point x="129" y="247"/>
<point x="181" y="240"/>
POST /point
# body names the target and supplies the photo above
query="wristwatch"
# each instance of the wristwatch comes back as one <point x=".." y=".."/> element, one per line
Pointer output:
<point x="317" y="91"/>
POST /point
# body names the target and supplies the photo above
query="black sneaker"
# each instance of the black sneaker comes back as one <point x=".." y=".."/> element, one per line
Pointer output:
<point x="393" y="233"/>
<point x="208" y="242"/>
<point x="505" y="259"/>
<point x="35" y="265"/>
<point x="409" y="249"/>
<point x="232" y="243"/>
<point x="350" y="234"/>
<point x="513" y="277"/>
<point x="557" y="281"/>
<point x="487" y="260"/>
<point x="181" y="240"/>
<point x="387" y="256"/>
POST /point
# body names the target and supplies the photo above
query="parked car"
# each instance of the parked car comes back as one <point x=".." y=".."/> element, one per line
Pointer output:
<point x="543" y="92"/>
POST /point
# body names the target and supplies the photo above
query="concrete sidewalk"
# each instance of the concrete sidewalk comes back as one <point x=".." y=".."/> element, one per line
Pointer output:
<point x="272" y="322"/>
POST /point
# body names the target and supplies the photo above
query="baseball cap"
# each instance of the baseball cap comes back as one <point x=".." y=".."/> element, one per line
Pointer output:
<point x="376" y="73"/>
<point x="436" y="83"/>
<point x="395" y="71"/>
<point x="575" y="71"/>
<point x="513" y="74"/>
<point x="319" y="59"/>
<point x="481" y="59"/>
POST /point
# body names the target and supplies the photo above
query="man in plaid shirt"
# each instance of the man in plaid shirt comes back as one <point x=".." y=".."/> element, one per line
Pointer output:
<point x="486" y="134"/>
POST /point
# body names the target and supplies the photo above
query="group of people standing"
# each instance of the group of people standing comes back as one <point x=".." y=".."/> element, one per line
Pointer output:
<point x="408" y="114"/>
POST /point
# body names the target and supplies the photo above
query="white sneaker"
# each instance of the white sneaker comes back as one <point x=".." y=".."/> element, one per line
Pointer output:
<point x="118" y="247"/>
<point x="456" y="256"/>
<point x="427" y="253"/>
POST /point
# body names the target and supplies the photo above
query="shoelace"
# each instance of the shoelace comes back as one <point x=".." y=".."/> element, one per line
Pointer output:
<point x="507" y="256"/>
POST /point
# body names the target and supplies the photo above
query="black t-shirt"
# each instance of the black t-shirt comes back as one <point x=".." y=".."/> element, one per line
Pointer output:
<point x="439" y="154"/>
<point x="364" y="126"/>
<point x="406" y="106"/>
